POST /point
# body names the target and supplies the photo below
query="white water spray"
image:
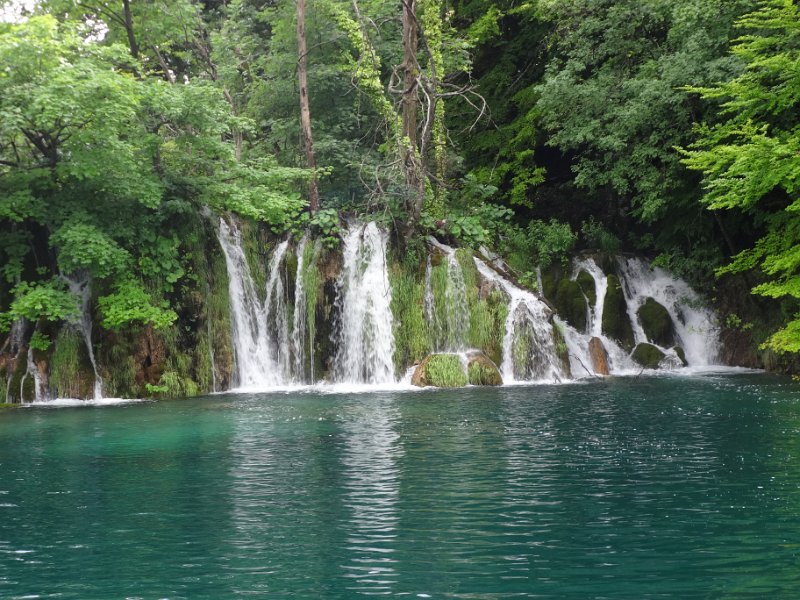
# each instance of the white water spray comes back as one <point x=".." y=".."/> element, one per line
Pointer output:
<point x="81" y="287"/>
<point x="364" y="335"/>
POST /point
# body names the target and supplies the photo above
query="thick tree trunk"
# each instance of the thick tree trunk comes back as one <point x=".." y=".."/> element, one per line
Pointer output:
<point x="411" y="157"/>
<point x="305" y="111"/>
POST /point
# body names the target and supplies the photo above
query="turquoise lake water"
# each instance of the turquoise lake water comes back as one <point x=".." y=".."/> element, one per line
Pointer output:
<point x="662" y="487"/>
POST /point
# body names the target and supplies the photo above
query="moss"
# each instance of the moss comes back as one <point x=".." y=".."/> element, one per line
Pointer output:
<point x="647" y="356"/>
<point x="656" y="323"/>
<point x="311" y="284"/>
<point x="561" y="350"/>
<point x="482" y="371"/>
<point x="257" y="247"/>
<point x="411" y="332"/>
<point x="71" y="373"/>
<point x="549" y="283"/>
<point x="487" y="324"/>
<point x="441" y="370"/>
<point x="570" y="303"/>
<point x="586" y="281"/>
<point x="616" y="323"/>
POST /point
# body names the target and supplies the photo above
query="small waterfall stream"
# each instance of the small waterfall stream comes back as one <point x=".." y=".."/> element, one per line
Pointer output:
<point x="695" y="328"/>
<point x="363" y="334"/>
<point x="299" y="316"/>
<point x="81" y="287"/>
<point x="449" y="320"/>
<point x="254" y="351"/>
<point x="529" y="352"/>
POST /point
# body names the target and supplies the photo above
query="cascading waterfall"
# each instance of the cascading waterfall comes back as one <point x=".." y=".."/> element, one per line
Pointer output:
<point x="695" y="327"/>
<point x="81" y="287"/>
<point x="578" y="342"/>
<point x="299" y="317"/>
<point x="529" y="352"/>
<point x="276" y="312"/>
<point x="256" y="364"/>
<point x="450" y="323"/>
<point x="32" y="370"/>
<point x="364" y="336"/>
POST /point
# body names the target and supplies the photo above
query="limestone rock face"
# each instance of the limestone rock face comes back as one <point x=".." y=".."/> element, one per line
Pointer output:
<point x="481" y="370"/>
<point x="647" y="356"/>
<point x="657" y="323"/>
<point x="599" y="356"/>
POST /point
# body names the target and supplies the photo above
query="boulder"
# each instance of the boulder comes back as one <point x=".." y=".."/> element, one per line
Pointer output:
<point x="562" y="351"/>
<point x="656" y="323"/>
<point x="647" y="356"/>
<point x="616" y="323"/>
<point x="599" y="356"/>
<point x="570" y="303"/>
<point x="586" y="281"/>
<point x="440" y="370"/>
<point x="481" y="370"/>
<point x="681" y="355"/>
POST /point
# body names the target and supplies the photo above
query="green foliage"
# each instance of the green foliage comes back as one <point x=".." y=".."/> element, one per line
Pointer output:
<point x="40" y="341"/>
<point x="445" y="371"/>
<point x="131" y="304"/>
<point x="411" y="335"/>
<point x="49" y="300"/>
<point x="749" y="159"/>
<point x="71" y="374"/>
<point x="597" y="237"/>
<point x="85" y="247"/>
<point x="551" y="242"/>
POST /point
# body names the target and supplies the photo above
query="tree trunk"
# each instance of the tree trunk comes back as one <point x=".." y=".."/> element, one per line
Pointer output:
<point x="411" y="157"/>
<point x="134" y="47"/>
<point x="305" y="111"/>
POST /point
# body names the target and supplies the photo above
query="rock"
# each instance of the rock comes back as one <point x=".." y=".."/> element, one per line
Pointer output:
<point x="656" y="323"/>
<point x="681" y="355"/>
<point x="440" y="370"/>
<point x="570" y="303"/>
<point x="647" y="356"/>
<point x="599" y="356"/>
<point x="586" y="281"/>
<point x="616" y="323"/>
<point x="481" y="370"/>
<point x="562" y="351"/>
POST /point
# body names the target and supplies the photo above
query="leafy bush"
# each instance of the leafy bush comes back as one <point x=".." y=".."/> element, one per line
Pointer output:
<point x="132" y="304"/>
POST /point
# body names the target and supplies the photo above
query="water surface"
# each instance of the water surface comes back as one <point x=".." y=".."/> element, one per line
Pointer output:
<point x="662" y="487"/>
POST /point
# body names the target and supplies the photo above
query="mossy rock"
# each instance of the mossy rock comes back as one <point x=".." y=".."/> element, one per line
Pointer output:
<point x="481" y="370"/>
<point x="656" y="323"/>
<point x="440" y="370"/>
<point x="571" y="304"/>
<point x="616" y="323"/>
<point x="681" y="355"/>
<point x="562" y="351"/>
<point x="647" y="356"/>
<point x="586" y="281"/>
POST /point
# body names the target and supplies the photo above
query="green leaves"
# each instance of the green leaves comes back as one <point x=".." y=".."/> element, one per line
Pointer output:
<point x="49" y="300"/>
<point x="131" y="304"/>
<point x="750" y="160"/>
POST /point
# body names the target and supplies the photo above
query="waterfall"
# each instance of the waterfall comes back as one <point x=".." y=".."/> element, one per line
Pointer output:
<point x="276" y="311"/>
<point x="299" y="317"/>
<point x="32" y="370"/>
<point x="81" y="287"/>
<point x="578" y="342"/>
<point x="695" y="327"/>
<point x="363" y="333"/>
<point x="256" y="364"/>
<point x="449" y="325"/>
<point x="529" y="352"/>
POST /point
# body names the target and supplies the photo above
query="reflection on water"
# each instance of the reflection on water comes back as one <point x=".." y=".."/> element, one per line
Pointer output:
<point x="650" y="488"/>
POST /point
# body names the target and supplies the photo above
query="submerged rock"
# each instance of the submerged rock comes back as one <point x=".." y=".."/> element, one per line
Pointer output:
<point x="656" y="323"/>
<point x="599" y="356"/>
<point x="616" y="323"/>
<point x="481" y="370"/>
<point x="440" y="370"/>
<point x="647" y="356"/>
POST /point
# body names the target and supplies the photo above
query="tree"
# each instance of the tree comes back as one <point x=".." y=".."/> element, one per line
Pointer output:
<point x="305" y="111"/>
<point x="750" y="159"/>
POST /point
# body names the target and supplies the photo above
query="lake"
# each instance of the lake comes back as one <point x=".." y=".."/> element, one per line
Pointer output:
<point x="652" y="487"/>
